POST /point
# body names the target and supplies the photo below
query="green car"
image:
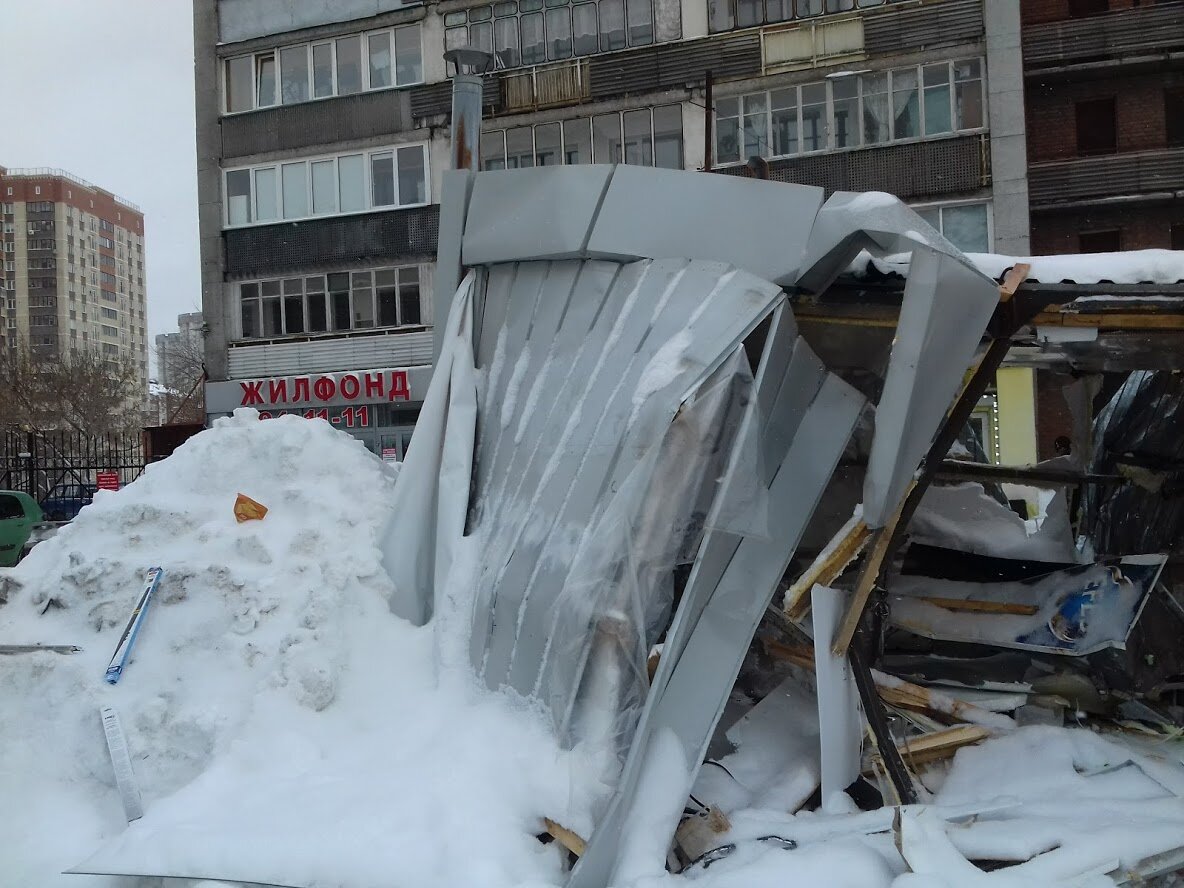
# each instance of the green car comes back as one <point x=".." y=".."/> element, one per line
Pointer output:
<point x="18" y="513"/>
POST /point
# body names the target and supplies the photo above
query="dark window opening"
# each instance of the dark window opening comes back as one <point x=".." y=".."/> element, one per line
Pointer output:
<point x="1173" y="110"/>
<point x="1178" y="235"/>
<point x="1097" y="130"/>
<point x="1099" y="241"/>
<point x="1084" y="8"/>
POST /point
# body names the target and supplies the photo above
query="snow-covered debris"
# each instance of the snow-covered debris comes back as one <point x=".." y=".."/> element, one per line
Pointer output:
<point x="1131" y="267"/>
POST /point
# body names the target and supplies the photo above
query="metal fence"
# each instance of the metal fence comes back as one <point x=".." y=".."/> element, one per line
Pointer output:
<point x="58" y="467"/>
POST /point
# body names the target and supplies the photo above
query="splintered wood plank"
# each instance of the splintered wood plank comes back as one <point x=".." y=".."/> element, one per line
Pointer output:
<point x="565" y="837"/>
<point x="1015" y="276"/>
<point x="941" y="744"/>
<point x="827" y="567"/>
<point x="980" y="607"/>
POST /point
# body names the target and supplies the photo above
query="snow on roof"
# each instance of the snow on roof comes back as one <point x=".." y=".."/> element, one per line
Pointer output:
<point x="1131" y="267"/>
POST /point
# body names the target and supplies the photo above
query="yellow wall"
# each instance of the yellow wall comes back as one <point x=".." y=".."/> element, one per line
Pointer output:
<point x="1017" y="415"/>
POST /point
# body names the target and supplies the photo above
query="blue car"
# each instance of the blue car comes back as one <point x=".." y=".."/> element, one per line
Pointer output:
<point x="66" y="501"/>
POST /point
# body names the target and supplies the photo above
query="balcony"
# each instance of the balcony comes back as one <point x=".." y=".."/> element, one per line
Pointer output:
<point x="328" y="354"/>
<point x="1097" y="179"/>
<point x="545" y="86"/>
<point x="335" y="240"/>
<point x="804" y="45"/>
<point x="1121" y="34"/>
<point x="910" y="170"/>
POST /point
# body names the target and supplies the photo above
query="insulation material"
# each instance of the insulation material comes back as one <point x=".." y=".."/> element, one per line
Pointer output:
<point x="1078" y="610"/>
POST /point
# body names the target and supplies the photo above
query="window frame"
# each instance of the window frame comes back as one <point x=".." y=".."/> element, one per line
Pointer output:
<point x="855" y="134"/>
<point x="275" y="52"/>
<point x="307" y="163"/>
<point x="422" y="284"/>
<point x="942" y="205"/>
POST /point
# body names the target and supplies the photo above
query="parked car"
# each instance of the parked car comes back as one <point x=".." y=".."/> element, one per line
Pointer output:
<point x="66" y="501"/>
<point x="19" y="513"/>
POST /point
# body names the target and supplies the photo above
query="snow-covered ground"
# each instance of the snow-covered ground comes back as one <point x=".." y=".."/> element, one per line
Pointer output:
<point x="285" y="727"/>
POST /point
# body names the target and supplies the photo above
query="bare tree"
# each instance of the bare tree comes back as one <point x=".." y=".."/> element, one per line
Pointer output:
<point x="82" y="390"/>
<point x="183" y="366"/>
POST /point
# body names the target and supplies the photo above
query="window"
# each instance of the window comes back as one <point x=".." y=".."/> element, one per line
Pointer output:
<point x="349" y="65"/>
<point x="646" y="137"/>
<point x="1097" y="131"/>
<point x="340" y="301"/>
<point x="1173" y="108"/>
<point x="1099" y="241"/>
<point x="294" y="74"/>
<point x="265" y="80"/>
<point x="351" y="183"/>
<point x="339" y="67"/>
<point x="851" y="111"/>
<point x="531" y="32"/>
<point x="966" y="226"/>
<point x="1084" y="8"/>
<point x="1177" y="241"/>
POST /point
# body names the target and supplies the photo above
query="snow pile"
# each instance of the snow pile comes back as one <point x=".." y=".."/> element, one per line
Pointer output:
<point x="283" y="725"/>
<point x="1130" y="267"/>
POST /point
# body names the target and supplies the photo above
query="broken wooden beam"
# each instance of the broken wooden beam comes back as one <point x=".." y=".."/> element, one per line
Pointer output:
<point x="941" y="744"/>
<point x="869" y="574"/>
<point x="828" y="566"/>
<point x="565" y="837"/>
<point x="957" y="470"/>
<point x="972" y="605"/>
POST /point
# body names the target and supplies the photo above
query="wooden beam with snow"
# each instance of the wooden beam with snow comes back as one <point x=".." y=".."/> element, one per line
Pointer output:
<point x="1015" y="276"/>
<point x="827" y="567"/>
<point x="941" y="744"/>
<point x="565" y="837"/>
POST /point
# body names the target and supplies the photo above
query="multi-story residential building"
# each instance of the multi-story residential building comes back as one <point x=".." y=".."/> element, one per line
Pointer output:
<point x="180" y="355"/>
<point x="73" y="268"/>
<point x="1105" y="103"/>
<point x="1105" y="106"/>
<point x="322" y="137"/>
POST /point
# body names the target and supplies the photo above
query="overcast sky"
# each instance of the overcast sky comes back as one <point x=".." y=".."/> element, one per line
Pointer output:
<point x="104" y="90"/>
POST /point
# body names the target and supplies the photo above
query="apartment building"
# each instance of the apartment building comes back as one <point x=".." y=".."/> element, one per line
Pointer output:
<point x="73" y="268"/>
<point x="1105" y="90"/>
<point x="323" y="134"/>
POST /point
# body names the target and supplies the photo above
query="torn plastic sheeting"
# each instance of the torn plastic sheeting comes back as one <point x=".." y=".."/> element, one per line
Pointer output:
<point x="1139" y="433"/>
<point x="618" y="594"/>
<point x="1081" y="610"/>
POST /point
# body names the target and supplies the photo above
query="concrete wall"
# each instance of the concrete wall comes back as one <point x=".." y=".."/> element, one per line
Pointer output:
<point x="1005" y="107"/>
<point x="215" y="305"/>
<point x="244" y="19"/>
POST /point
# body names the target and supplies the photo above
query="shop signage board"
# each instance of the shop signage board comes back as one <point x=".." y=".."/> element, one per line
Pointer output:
<point x="312" y="395"/>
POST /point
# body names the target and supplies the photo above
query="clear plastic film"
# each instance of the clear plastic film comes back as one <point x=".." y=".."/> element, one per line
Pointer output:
<point x="618" y="597"/>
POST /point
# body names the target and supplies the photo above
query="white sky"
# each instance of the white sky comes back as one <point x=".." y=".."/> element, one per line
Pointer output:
<point x="104" y="90"/>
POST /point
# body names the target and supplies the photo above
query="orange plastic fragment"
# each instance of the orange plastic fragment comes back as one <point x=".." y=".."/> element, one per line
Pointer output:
<point x="246" y="509"/>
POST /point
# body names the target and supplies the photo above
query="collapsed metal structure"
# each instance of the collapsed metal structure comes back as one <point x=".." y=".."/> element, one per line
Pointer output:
<point x="622" y="391"/>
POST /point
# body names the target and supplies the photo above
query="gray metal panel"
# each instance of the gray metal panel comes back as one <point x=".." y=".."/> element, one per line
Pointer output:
<point x="895" y="29"/>
<point x="666" y="213"/>
<point x="716" y="646"/>
<point x="874" y="221"/>
<point x="316" y="243"/>
<point x="321" y="355"/>
<point x="932" y="168"/>
<point x="1122" y="32"/>
<point x="945" y="310"/>
<point x="544" y="213"/>
<point x="1141" y="172"/>
<point x="308" y="124"/>
<point x="244" y="19"/>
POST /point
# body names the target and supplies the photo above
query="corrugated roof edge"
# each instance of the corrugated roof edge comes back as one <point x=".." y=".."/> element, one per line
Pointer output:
<point x="1130" y="267"/>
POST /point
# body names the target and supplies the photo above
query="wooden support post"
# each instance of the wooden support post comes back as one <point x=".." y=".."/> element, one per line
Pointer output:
<point x="878" y="721"/>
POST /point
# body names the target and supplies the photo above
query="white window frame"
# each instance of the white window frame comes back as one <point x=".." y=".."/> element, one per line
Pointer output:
<point x="368" y="193"/>
<point x="424" y="271"/>
<point x="941" y="205"/>
<point x="830" y="112"/>
<point x="275" y="52"/>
